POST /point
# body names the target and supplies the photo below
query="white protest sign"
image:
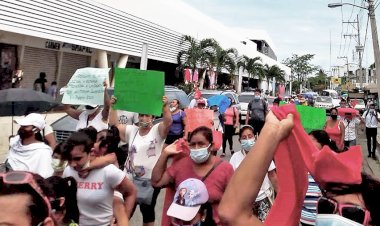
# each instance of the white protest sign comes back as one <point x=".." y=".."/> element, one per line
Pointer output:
<point x="86" y="87"/>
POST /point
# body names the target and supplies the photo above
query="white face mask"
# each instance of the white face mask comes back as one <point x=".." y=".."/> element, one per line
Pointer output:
<point x="200" y="155"/>
<point x="334" y="220"/>
<point x="58" y="165"/>
<point x="172" y="109"/>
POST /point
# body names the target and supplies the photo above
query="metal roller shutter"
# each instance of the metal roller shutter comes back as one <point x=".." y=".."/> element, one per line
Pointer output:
<point x="70" y="63"/>
<point x="38" y="60"/>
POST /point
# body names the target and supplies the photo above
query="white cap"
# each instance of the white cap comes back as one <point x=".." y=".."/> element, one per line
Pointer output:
<point x="33" y="119"/>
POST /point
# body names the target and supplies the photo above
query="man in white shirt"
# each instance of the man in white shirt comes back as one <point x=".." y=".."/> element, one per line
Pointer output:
<point x="371" y="118"/>
<point x="350" y="124"/>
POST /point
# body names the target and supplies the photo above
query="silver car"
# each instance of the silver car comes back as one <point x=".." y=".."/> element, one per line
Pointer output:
<point x="325" y="102"/>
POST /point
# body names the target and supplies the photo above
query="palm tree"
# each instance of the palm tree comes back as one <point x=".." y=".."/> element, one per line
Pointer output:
<point x="273" y="72"/>
<point x="253" y="66"/>
<point x="197" y="55"/>
<point x="224" y="59"/>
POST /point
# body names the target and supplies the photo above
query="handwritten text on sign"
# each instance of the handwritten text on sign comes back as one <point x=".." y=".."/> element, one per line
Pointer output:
<point x="86" y="87"/>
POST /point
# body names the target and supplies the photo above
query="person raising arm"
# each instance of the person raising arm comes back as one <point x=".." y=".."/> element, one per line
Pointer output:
<point x="236" y="205"/>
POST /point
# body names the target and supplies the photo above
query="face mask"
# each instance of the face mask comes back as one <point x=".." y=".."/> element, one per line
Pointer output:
<point x="91" y="111"/>
<point x="144" y="124"/>
<point x="23" y="133"/>
<point x="58" y="165"/>
<point x="200" y="155"/>
<point x="247" y="144"/>
<point x="334" y="117"/>
<point x="334" y="220"/>
<point x="257" y="97"/>
<point x="172" y="109"/>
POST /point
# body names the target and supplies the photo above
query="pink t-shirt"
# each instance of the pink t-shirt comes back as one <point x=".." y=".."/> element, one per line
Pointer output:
<point x="216" y="182"/>
<point x="229" y="116"/>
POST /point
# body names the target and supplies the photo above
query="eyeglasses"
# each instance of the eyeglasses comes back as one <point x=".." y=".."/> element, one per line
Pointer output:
<point x="25" y="178"/>
<point x="350" y="211"/>
<point x="178" y="222"/>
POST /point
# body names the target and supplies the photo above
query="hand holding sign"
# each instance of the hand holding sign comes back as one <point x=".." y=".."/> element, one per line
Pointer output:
<point x="86" y="87"/>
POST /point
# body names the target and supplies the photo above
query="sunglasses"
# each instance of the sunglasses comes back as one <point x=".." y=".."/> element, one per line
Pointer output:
<point x="25" y="178"/>
<point x="350" y="211"/>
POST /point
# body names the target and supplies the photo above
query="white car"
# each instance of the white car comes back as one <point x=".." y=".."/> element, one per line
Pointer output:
<point x="324" y="102"/>
<point x="244" y="99"/>
<point x="360" y="105"/>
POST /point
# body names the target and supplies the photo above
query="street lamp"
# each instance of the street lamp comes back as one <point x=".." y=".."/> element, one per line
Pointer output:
<point x="375" y="38"/>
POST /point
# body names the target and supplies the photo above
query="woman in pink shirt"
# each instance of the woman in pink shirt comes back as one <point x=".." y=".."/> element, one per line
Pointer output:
<point x="212" y="170"/>
<point x="231" y="122"/>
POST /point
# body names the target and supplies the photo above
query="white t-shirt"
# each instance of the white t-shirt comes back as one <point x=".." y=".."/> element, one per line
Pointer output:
<point x="350" y="128"/>
<point x="235" y="161"/>
<point x="143" y="152"/>
<point x="95" y="194"/>
<point x="128" y="117"/>
<point x="96" y="122"/>
<point x="35" y="158"/>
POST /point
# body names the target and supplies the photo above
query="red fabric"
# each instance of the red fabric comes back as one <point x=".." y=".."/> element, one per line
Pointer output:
<point x="342" y="167"/>
<point x="335" y="134"/>
<point x="293" y="157"/>
<point x="354" y="103"/>
<point x="217" y="138"/>
<point x="343" y="111"/>
<point x="187" y="75"/>
<point x="216" y="182"/>
<point x="291" y="172"/>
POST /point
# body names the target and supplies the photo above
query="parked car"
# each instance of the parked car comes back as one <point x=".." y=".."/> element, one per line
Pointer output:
<point x="325" y="102"/>
<point x="245" y="98"/>
<point x="66" y="125"/>
<point x="334" y="95"/>
<point x="360" y="105"/>
<point x="209" y="93"/>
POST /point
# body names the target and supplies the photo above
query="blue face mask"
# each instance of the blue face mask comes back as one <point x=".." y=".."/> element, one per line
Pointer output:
<point x="247" y="144"/>
<point x="334" y="220"/>
<point x="200" y="155"/>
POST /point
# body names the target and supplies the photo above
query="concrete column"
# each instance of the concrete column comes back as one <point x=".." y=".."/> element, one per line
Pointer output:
<point x="59" y="68"/>
<point x="144" y="57"/>
<point x="20" y="56"/>
<point x="240" y="80"/>
<point x="101" y="56"/>
<point x="122" y="62"/>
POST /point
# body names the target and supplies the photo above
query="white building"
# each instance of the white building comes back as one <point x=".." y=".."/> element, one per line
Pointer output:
<point x="59" y="36"/>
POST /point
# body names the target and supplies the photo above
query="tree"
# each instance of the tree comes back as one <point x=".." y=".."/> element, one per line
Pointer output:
<point x="224" y="59"/>
<point x="301" y="67"/>
<point x="319" y="81"/>
<point x="273" y="72"/>
<point x="197" y="55"/>
<point x="253" y="66"/>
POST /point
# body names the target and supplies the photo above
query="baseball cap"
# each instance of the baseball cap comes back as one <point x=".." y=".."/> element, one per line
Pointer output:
<point x="33" y="119"/>
<point x="189" y="197"/>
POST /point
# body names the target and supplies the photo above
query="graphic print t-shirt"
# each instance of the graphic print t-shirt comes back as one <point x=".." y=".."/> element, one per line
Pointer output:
<point x="95" y="194"/>
<point x="143" y="152"/>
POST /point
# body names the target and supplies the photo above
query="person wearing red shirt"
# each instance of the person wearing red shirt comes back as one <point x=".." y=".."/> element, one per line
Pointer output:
<point x="212" y="170"/>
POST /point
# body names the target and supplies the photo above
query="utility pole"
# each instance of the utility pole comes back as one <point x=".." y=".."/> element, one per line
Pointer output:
<point x="375" y="41"/>
<point x="346" y="77"/>
<point x="359" y="48"/>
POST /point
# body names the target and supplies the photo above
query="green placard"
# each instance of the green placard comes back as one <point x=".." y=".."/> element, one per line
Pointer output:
<point x="139" y="90"/>
<point x="311" y="118"/>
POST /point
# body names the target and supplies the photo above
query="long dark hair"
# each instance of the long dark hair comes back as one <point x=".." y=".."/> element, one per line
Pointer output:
<point x="112" y="141"/>
<point x="66" y="188"/>
<point x="324" y="139"/>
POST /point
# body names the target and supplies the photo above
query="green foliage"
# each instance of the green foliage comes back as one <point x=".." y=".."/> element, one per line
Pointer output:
<point x="300" y="66"/>
<point x="253" y="66"/>
<point x="319" y="81"/>
<point x="187" y="88"/>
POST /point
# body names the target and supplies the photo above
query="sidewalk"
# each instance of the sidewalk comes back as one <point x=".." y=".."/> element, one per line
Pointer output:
<point x="370" y="166"/>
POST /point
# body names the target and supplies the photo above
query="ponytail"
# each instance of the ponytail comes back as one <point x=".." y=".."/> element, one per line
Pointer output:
<point x="72" y="211"/>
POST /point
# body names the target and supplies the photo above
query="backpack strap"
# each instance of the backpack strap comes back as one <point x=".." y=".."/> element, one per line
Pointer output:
<point x="212" y="169"/>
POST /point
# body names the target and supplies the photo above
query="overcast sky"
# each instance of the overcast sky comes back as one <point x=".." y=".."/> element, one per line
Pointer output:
<point x="297" y="26"/>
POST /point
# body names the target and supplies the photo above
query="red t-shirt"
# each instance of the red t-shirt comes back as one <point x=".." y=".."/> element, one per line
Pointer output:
<point x="216" y="182"/>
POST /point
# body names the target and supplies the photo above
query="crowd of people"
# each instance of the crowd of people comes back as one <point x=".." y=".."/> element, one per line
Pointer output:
<point x="118" y="160"/>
